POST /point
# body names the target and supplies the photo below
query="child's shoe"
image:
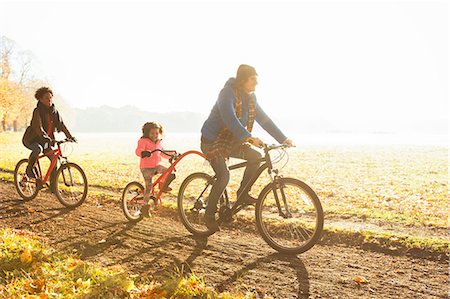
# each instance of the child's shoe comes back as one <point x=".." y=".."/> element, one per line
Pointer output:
<point x="145" y="211"/>
<point x="169" y="180"/>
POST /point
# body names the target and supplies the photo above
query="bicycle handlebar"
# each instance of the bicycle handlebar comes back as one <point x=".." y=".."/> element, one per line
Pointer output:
<point x="269" y="147"/>
<point x="174" y="153"/>
<point x="58" y="142"/>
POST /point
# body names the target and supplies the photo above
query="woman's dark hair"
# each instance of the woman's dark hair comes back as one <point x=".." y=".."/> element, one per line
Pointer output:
<point x="41" y="91"/>
<point x="243" y="73"/>
<point x="151" y="125"/>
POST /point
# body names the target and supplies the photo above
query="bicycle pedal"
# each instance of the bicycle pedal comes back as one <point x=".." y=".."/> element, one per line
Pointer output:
<point x="39" y="184"/>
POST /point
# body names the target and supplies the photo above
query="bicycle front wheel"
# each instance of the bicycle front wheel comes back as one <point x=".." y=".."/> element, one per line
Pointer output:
<point x="132" y="201"/>
<point x="289" y="216"/>
<point x="71" y="185"/>
<point x="192" y="201"/>
<point x="25" y="186"/>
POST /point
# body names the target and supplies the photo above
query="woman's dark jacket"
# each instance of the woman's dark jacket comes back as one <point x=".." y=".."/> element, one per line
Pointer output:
<point x="45" y="121"/>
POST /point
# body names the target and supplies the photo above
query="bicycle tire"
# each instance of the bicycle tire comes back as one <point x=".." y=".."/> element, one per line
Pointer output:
<point x="21" y="183"/>
<point x="130" y="210"/>
<point x="194" y="219"/>
<point x="275" y="227"/>
<point x="65" y="184"/>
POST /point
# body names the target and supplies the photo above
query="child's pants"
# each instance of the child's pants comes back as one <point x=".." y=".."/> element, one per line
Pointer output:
<point x="148" y="174"/>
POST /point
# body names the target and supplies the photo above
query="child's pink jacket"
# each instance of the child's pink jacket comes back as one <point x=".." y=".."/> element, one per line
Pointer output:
<point x="145" y="144"/>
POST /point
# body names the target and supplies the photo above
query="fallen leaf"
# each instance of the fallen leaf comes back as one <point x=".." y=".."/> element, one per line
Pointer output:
<point x="26" y="257"/>
<point x="360" y="279"/>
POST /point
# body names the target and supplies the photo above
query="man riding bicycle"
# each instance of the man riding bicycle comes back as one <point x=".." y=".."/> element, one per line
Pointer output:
<point x="227" y="133"/>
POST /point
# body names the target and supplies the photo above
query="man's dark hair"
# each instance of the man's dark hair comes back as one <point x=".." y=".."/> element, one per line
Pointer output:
<point x="41" y="91"/>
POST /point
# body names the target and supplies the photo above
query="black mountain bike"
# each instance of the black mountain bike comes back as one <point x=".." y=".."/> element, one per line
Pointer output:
<point x="289" y="215"/>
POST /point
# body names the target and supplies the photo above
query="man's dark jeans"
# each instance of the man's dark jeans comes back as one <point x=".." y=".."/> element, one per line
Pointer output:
<point x="240" y="151"/>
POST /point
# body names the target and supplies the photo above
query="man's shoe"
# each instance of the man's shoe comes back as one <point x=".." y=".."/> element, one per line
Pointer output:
<point x="211" y="224"/>
<point x="145" y="211"/>
<point x="248" y="200"/>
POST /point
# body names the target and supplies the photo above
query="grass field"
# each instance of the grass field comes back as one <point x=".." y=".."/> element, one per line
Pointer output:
<point x="407" y="185"/>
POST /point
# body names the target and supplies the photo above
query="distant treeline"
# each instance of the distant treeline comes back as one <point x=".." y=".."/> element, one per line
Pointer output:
<point x="131" y="119"/>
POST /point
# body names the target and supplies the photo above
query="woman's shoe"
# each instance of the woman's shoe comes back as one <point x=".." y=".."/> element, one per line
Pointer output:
<point x="145" y="211"/>
<point x="211" y="223"/>
<point x="248" y="200"/>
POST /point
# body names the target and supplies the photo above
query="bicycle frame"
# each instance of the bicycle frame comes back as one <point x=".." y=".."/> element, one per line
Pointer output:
<point x="266" y="164"/>
<point x="57" y="154"/>
<point x="162" y="178"/>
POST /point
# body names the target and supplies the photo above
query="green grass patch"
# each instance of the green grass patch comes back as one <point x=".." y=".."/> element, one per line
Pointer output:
<point x="390" y="242"/>
<point x="385" y="216"/>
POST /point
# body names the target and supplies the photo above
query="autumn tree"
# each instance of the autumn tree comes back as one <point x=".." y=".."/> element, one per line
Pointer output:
<point x="16" y="86"/>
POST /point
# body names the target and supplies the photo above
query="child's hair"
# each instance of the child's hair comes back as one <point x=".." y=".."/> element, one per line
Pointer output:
<point x="41" y="91"/>
<point x="151" y="125"/>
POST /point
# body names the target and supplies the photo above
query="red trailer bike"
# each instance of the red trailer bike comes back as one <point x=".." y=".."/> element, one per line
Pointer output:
<point x="133" y="194"/>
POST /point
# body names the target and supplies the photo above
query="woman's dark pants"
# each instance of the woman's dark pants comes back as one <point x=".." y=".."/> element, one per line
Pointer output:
<point x="240" y="151"/>
<point x="36" y="150"/>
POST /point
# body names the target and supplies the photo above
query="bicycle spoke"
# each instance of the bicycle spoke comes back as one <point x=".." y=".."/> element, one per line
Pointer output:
<point x="192" y="202"/>
<point x="71" y="185"/>
<point x="24" y="186"/>
<point x="132" y="201"/>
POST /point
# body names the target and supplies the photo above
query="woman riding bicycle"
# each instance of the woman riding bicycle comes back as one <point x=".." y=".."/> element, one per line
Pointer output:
<point x="44" y="122"/>
<point x="227" y="133"/>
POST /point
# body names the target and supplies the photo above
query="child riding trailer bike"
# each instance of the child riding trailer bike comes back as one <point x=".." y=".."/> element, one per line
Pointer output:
<point x="133" y="201"/>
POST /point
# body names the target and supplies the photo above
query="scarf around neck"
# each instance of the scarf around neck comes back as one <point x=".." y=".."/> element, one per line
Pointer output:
<point x="225" y="140"/>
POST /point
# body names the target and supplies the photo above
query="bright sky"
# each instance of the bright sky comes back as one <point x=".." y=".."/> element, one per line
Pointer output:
<point x="359" y="60"/>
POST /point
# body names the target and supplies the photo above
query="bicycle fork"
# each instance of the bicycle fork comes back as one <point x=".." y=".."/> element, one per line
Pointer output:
<point x="283" y="207"/>
<point x="66" y="182"/>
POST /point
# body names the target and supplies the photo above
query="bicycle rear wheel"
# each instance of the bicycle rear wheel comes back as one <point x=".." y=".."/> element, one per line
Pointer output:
<point x="132" y="201"/>
<point x="25" y="186"/>
<point x="71" y="185"/>
<point x="192" y="201"/>
<point x="289" y="216"/>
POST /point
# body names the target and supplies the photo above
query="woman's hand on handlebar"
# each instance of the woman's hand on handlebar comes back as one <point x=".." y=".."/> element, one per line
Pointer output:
<point x="288" y="142"/>
<point x="255" y="141"/>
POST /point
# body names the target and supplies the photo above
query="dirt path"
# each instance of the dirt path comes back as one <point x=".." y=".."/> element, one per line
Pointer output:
<point x="230" y="259"/>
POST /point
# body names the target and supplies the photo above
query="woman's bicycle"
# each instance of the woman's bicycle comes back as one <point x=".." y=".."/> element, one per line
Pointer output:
<point x="133" y="194"/>
<point x="68" y="181"/>
<point x="289" y="215"/>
